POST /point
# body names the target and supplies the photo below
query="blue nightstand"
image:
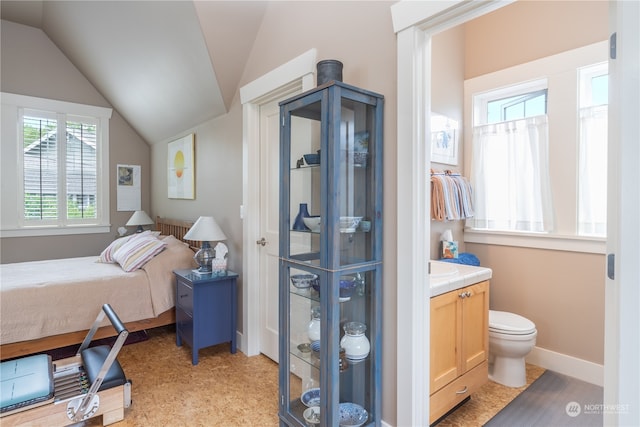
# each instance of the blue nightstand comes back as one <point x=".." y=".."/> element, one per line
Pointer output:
<point x="206" y="307"/>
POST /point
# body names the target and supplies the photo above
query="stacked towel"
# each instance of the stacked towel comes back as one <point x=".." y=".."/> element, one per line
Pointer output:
<point x="451" y="196"/>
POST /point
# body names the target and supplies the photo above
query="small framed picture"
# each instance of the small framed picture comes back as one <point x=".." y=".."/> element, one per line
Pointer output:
<point x="444" y="140"/>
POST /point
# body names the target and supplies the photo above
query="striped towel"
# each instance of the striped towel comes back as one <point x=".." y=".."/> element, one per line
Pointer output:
<point x="451" y="197"/>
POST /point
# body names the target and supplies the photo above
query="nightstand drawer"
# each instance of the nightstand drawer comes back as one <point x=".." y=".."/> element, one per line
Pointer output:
<point x="184" y="297"/>
<point x="184" y="325"/>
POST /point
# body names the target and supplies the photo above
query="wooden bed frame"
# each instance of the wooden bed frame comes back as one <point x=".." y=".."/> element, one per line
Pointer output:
<point x="178" y="228"/>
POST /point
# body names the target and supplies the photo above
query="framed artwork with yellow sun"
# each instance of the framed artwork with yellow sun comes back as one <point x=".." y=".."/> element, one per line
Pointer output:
<point x="181" y="173"/>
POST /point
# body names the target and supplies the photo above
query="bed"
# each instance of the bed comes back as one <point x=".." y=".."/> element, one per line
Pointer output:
<point x="51" y="304"/>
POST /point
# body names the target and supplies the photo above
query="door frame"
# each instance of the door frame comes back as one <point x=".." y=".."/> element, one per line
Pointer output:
<point x="622" y="294"/>
<point x="414" y="23"/>
<point x="296" y="75"/>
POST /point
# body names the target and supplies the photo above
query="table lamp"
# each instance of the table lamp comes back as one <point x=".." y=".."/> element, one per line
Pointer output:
<point x="139" y="218"/>
<point x="205" y="230"/>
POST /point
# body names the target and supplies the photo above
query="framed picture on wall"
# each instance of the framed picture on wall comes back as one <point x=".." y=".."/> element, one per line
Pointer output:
<point x="444" y="140"/>
<point x="181" y="172"/>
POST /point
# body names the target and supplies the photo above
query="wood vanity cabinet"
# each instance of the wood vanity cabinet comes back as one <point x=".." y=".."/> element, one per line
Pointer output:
<point x="459" y="346"/>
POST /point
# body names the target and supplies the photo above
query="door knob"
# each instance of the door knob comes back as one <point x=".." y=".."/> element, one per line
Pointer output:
<point x="262" y="242"/>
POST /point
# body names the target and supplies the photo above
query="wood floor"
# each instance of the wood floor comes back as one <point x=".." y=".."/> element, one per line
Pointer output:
<point x="227" y="389"/>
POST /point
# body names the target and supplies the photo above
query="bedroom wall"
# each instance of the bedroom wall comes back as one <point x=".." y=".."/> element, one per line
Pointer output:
<point x="32" y="65"/>
<point x="561" y="292"/>
<point x="367" y="47"/>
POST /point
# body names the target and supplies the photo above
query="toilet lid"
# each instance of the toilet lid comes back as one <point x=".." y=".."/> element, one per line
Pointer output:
<point x="510" y="323"/>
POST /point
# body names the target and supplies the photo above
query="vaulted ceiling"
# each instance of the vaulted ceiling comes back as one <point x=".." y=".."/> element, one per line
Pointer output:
<point x="166" y="66"/>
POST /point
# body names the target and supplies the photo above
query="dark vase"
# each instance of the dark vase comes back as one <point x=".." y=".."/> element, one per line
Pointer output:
<point x="329" y="70"/>
<point x="298" y="224"/>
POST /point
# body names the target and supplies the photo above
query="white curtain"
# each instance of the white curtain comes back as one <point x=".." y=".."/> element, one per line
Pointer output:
<point x="592" y="173"/>
<point x="510" y="176"/>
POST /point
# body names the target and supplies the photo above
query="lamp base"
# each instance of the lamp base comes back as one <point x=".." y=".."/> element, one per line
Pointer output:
<point x="212" y="273"/>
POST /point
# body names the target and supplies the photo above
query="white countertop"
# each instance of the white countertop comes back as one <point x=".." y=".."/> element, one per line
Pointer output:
<point x="447" y="276"/>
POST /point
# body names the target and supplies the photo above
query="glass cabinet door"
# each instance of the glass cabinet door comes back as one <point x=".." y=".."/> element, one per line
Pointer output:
<point x="330" y="256"/>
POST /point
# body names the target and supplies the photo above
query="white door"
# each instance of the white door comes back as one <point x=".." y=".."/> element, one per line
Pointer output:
<point x="269" y="222"/>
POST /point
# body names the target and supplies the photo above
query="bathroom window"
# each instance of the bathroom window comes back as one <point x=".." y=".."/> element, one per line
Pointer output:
<point x="592" y="164"/>
<point x="538" y="151"/>
<point x="510" y="162"/>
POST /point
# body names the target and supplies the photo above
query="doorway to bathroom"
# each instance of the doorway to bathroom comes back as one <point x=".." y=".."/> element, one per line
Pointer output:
<point x="415" y="25"/>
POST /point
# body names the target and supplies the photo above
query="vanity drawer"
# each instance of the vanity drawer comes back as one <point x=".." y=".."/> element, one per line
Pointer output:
<point x="184" y="296"/>
<point x="455" y="392"/>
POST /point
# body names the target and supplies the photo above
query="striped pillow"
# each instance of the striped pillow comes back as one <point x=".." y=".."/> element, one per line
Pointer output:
<point x="137" y="252"/>
<point x="107" y="254"/>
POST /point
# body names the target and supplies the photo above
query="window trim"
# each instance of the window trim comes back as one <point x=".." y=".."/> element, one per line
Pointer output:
<point x="584" y="244"/>
<point x="13" y="225"/>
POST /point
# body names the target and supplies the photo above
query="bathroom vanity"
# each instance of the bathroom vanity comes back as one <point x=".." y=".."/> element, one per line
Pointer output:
<point x="459" y="334"/>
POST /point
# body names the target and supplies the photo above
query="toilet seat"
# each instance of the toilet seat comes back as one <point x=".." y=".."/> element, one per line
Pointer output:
<point x="506" y="323"/>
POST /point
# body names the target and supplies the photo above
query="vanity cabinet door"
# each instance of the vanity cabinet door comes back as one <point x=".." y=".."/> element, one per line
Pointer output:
<point x="475" y="325"/>
<point x="446" y="328"/>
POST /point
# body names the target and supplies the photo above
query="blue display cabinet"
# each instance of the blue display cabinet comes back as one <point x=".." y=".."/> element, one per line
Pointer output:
<point x="331" y="256"/>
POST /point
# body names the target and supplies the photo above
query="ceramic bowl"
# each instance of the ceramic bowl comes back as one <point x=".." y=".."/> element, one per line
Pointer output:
<point x="352" y="415"/>
<point x="347" y="286"/>
<point x="312" y="415"/>
<point x="312" y="223"/>
<point x="349" y="223"/>
<point x="312" y="159"/>
<point x="311" y="397"/>
<point x="316" y="286"/>
<point x="303" y="281"/>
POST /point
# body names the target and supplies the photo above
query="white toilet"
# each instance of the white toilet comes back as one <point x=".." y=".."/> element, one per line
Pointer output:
<point x="511" y="338"/>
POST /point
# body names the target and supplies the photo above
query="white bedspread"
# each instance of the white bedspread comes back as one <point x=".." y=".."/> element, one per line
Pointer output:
<point x="44" y="298"/>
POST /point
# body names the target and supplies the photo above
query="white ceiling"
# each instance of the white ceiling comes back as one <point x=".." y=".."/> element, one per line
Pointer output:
<point x="165" y="66"/>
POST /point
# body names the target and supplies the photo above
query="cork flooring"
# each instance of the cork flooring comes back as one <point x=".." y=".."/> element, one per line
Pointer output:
<point x="227" y="389"/>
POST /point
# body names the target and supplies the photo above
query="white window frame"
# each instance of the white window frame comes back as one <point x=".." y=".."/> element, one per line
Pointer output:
<point x="585" y="101"/>
<point x="559" y="70"/>
<point x="12" y="221"/>
<point x="482" y="100"/>
<point x="589" y="72"/>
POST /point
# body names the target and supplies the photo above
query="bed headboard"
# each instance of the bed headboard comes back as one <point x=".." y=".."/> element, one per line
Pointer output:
<point x="176" y="227"/>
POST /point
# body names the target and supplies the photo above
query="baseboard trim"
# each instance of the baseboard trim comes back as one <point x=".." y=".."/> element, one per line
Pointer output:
<point x="568" y="365"/>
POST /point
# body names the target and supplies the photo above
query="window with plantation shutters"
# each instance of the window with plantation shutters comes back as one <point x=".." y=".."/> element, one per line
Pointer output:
<point x="81" y="163"/>
<point x="40" y="168"/>
<point x="60" y="167"/>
